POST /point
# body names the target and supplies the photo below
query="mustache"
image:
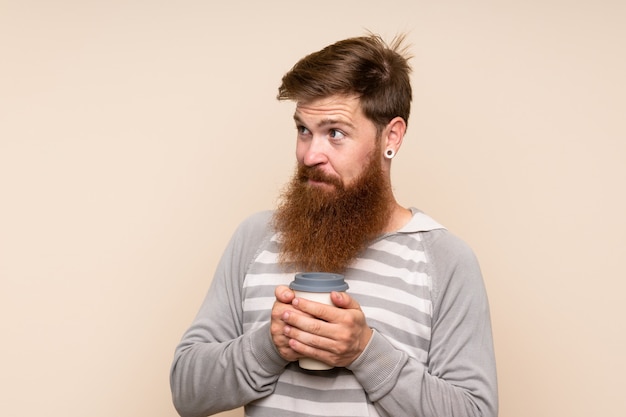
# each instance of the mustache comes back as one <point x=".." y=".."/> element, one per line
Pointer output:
<point x="306" y="173"/>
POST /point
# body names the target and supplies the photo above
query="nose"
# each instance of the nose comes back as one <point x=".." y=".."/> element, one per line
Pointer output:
<point x="313" y="152"/>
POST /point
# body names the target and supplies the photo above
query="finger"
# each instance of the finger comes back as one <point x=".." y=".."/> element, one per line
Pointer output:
<point x="283" y="346"/>
<point x="305" y="341"/>
<point x="314" y="309"/>
<point x="305" y="350"/>
<point x="281" y="340"/>
<point x="329" y="313"/>
<point x="300" y="325"/>
<point x="343" y="300"/>
<point x="284" y="294"/>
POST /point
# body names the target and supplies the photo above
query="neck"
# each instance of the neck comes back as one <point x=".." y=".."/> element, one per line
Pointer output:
<point x="399" y="217"/>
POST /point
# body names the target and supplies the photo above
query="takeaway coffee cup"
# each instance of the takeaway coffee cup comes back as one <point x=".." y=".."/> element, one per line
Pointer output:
<point x="317" y="286"/>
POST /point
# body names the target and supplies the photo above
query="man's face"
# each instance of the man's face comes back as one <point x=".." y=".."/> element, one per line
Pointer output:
<point x="336" y="138"/>
<point x="339" y="198"/>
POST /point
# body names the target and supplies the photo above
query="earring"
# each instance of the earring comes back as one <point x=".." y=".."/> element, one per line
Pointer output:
<point x="390" y="153"/>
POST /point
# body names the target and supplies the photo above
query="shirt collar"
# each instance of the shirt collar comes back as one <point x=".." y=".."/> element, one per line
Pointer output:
<point x="420" y="222"/>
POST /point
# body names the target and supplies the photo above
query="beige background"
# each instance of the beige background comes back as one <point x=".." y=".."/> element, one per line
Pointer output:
<point x="136" y="135"/>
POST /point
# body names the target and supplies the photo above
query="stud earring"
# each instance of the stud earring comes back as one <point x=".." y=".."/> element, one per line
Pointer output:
<point x="390" y="153"/>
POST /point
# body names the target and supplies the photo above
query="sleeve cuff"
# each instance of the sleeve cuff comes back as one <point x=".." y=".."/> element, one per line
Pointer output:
<point x="265" y="352"/>
<point x="379" y="365"/>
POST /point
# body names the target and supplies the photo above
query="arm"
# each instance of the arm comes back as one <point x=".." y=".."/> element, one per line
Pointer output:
<point x="460" y="378"/>
<point x="216" y="366"/>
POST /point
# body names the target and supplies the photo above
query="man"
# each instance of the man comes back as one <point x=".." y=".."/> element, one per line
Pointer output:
<point x="412" y="335"/>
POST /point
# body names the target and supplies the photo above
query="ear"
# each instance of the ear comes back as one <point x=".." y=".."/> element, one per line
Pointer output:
<point x="394" y="133"/>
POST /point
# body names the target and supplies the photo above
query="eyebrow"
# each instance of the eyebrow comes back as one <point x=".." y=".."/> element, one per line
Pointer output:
<point x="325" y="122"/>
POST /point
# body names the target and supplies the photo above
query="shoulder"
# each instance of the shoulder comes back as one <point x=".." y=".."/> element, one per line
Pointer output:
<point x="252" y="233"/>
<point x="447" y="247"/>
<point x="453" y="265"/>
<point x="249" y="238"/>
<point x="256" y="223"/>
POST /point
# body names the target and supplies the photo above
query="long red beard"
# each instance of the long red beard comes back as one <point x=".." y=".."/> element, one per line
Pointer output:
<point x="323" y="230"/>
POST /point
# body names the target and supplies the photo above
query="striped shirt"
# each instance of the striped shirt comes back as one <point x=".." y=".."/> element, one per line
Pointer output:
<point x="389" y="279"/>
<point x="421" y="291"/>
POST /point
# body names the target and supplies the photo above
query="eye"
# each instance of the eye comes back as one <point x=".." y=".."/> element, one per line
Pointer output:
<point x="302" y="130"/>
<point x="336" y="134"/>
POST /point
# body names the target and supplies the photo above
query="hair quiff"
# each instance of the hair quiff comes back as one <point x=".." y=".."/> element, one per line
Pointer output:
<point x="363" y="66"/>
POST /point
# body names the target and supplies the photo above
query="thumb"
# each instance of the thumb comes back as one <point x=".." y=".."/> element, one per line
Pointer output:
<point x="284" y="294"/>
<point x="343" y="300"/>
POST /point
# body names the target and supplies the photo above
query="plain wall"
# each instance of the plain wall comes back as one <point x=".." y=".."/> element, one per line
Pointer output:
<point x="136" y="135"/>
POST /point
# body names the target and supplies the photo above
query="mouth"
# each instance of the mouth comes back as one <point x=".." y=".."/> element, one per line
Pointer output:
<point x="314" y="177"/>
<point x="319" y="183"/>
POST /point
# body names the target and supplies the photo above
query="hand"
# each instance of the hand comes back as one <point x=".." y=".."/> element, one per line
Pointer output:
<point x="282" y="305"/>
<point x="335" y="335"/>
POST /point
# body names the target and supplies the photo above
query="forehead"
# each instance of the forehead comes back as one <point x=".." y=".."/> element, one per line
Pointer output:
<point x="340" y="108"/>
